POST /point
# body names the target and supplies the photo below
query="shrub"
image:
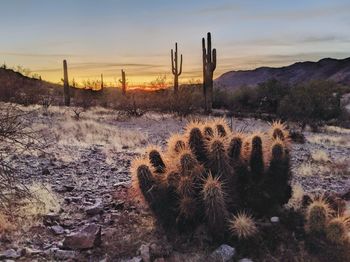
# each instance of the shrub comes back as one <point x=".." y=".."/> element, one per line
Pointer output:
<point x="210" y="172"/>
<point x="314" y="101"/>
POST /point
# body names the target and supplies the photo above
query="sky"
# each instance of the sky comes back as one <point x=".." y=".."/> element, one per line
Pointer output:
<point x="105" y="36"/>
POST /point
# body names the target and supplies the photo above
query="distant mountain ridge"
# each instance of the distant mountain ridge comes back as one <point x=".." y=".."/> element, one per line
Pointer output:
<point x="337" y="70"/>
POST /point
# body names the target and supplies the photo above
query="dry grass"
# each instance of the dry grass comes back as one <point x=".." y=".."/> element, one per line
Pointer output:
<point x="5" y="224"/>
<point x="319" y="166"/>
<point x="340" y="141"/>
<point x="296" y="200"/>
<point x="320" y="156"/>
<point x="305" y="169"/>
<point x="42" y="202"/>
<point x="336" y="129"/>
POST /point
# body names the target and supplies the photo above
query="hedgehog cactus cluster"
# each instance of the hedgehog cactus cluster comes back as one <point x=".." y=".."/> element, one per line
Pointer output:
<point x="209" y="174"/>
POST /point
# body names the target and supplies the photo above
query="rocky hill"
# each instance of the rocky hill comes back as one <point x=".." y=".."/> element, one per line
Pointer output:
<point x="337" y="70"/>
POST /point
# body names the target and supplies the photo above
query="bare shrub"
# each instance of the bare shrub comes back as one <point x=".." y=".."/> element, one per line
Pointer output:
<point x="16" y="138"/>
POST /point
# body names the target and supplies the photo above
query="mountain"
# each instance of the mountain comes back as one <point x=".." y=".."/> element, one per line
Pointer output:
<point x="337" y="70"/>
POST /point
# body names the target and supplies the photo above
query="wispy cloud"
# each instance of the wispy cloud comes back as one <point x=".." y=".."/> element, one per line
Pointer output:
<point x="36" y="55"/>
<point x="321" y="11"/>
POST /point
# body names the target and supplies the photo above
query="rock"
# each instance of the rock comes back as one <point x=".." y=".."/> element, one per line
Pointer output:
<point x="69" y="188"/>
<point x="31" y="252"/>
<point x="162" y="250"/>
<point x="9" y="253"/>
<point x="50" y="219"/>
<point x="275" y="220"/>
<point x="145" y="253"/>
<point x="59" y="254"/>
<point x="121" y="184"/>
<point x="245" y="260"/>
<point x="159" y="259"/>
<point x="134" y="259"/>
<point x="58" y="230"/>
<point x="45" y="172"/>
<point x="95" y="209"/>
<point x="222" y="254"/>
<point x="86" y="238"/>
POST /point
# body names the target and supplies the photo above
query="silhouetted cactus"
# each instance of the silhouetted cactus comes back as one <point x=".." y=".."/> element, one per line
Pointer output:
<point x="210" y="172"/>
<point x="123" y="82"/>
<point x="209" y="66"/>
<point x="256" y="160"/>
<point x="66" y="84"/>
<point x="101" y="82"/>
<point x="176" y="69"/>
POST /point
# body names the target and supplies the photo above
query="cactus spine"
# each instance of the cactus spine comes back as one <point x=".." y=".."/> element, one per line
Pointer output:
<point x="175" y="67"/>
<point x="66" y="84"/>
<point x="123" y="82"/>
<point x="209" y="66"/>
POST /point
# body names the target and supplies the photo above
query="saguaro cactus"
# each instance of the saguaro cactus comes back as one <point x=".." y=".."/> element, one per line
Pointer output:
<point x="101" y="82"/>
<point x="123" y="82"/>
<point x="209" y="66"/>
<point x="66" y="84"/>
<point x="175" y="67"/>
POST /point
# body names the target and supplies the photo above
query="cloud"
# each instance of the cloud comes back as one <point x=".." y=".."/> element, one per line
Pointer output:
<point x="291" y="40"/>
<point x="321" y="11"/>
<point x="100" y="66"/>
<point x="36" y="55"/>
<point x="223" y="8"/>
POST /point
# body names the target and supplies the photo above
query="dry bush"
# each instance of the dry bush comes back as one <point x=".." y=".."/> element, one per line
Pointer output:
<point x="16" y="138"/>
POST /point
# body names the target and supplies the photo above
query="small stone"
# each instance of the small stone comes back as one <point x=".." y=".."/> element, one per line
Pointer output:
<point x="275" y="219"/>
<point x="144" y="253"/>
<point x="45" y="172"/>
<point x="58" y="230"/>
<point x="50" y="219"/>
<point x="86" y="238"/>
<point x="10" y="253"/>
<point x="134" y="259"/>
<point x="159" y="259"/>
<point x="121" y="184"/>
<point x="31" y="252"/>
<point x="95" y="209"/>
<point x="223" y="253"/>
<point x="59" y="254"/>
<point x="69" y="188"/>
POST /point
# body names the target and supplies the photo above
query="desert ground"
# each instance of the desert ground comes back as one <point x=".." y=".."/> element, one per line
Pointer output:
<point x="81" y="177"/>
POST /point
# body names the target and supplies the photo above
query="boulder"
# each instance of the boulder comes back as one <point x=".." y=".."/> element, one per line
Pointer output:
<point x="88" y="237"/>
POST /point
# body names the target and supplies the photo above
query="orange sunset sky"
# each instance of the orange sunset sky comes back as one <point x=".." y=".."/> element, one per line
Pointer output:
<point x="105" y="36"/>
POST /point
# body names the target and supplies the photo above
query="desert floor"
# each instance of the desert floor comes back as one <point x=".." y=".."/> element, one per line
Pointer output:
<point x="82" y="176"/>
